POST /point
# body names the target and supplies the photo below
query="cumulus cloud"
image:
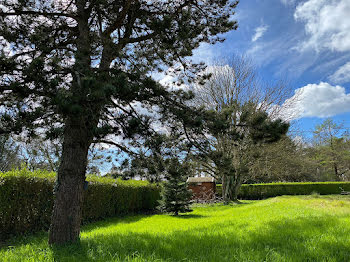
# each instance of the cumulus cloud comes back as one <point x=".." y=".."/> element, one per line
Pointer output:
<point x="327" y="23"/>
<point x="318" y="100"/>
<point x="259" y="32"/>
<point x="342" y="75"/>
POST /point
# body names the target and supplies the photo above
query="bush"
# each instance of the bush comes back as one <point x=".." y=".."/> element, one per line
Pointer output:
<point x="261" y="191"/>
<point x="27" y="199"/>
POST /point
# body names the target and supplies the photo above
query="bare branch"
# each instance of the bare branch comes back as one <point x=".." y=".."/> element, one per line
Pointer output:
<point x="123" y="148"/>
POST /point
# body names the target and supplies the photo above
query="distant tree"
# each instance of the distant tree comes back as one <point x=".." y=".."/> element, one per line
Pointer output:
<point x="246" y="112"/>
<point x="124" y="171"/>
<point x="9" y="154"/>
<point x="38" y="153"/>
<point x="232" y="149"/>
<point x="175" y="196"/>
<point x="332" y="148"/>
<point x="283" y="161"/>
<point x="79" y="68"/>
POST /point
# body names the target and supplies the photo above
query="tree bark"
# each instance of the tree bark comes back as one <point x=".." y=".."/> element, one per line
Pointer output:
<point x="227" y="188"/>
<point x="236" y="187"/>
<point x="67" y="210"/>
<point x="230" y="187"/>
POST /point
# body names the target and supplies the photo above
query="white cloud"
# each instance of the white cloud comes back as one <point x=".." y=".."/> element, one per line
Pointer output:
<point x="327" y="23"/>
<point x="342" y="75"/>
<point x="318" y="100"/>
<point x="259" y="32"/>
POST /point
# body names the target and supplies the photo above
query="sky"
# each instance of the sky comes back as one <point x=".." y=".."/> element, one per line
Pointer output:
<point x="305" y="42"/>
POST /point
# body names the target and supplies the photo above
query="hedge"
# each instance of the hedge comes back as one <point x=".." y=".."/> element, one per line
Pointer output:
<point x="261" y="191"/>
<point x="26" y="200"/>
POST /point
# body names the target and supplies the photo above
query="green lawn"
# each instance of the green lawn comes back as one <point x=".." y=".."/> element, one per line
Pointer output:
<point x="301" y="228"/>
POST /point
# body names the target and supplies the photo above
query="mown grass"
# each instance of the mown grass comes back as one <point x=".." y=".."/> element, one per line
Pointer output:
<point x="288" y="228"/>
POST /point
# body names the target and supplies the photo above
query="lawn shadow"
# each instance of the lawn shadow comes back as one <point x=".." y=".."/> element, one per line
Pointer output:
<point x="282" y="240"/>
<point x="232" y="204"/>
<point x="304" y="238"/>
<point x="88" y="227"/>
<point x="71" y="252"/>
<point x="187" y="216"/>
<point x="128" y="219"/>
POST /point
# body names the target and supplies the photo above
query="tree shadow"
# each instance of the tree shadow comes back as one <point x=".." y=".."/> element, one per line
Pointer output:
<point x="303" y="238"/>
<point x="129" y="219"/>
<point x="37" y="236"/>
<point x="300" y="239"/>
<point x="71" y="252"/>
<point x="187" y="216"/>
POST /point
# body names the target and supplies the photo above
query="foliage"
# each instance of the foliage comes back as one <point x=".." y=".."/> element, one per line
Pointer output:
<point x="175" y="196"/>
<point x="38" y="153"/>
<point x="26" y="199"/>
<point x="331" y="149"/>
<point x="9" y="153"/>
<point x="283" y="161"/>
<point x="82" y="70"/>
<point x="237" y="130"/>
<point x="244" y="116"/>
<point x="261" y="191"/>
<point x="275" y="230"/>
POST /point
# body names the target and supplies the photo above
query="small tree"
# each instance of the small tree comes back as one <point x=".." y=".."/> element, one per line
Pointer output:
<point x="175" y="195"/>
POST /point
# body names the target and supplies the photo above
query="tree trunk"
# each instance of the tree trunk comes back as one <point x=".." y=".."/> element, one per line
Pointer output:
<point x="236" y="187"/>
<point x="67" y="210"/>
<point x="227" y="188"/>
<point x="336" y="172"/>
<point x="230" y="187"/>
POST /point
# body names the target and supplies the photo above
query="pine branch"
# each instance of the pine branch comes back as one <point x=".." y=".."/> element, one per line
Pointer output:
<point x="123" y="148"/>
<point x="35" y="13"/>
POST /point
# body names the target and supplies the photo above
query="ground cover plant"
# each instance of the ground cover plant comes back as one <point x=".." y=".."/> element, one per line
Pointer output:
<point x="287" y="228"/>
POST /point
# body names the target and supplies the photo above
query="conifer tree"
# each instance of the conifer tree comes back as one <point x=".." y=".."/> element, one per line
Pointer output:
<point x="176" y="197"/>
<point x="78" y="69"/>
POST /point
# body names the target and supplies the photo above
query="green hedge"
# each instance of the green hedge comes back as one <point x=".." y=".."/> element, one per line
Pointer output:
<point x="26" y="200"/>
<point x="261" y="191"/>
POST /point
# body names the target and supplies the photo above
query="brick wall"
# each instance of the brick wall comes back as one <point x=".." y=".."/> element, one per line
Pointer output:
<point x="203" y="190"/>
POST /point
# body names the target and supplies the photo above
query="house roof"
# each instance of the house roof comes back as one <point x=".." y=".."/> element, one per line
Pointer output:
<point x="200" y="179"/>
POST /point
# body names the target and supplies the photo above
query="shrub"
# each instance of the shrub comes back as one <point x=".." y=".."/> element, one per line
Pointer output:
<point x="261" y="191"/>
<point x="26" y="200"/>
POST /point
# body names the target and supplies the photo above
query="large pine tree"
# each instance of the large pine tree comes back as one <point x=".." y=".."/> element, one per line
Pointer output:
<point x="77" y="68"/>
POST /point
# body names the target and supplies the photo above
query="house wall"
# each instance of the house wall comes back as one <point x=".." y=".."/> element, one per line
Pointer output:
<point x="203" y="191"/>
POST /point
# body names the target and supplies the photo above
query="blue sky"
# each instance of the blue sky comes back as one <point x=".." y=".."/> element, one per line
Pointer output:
<point x="306" y="42"/>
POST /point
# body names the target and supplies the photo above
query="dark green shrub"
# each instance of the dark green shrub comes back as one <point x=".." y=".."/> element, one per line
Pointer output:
<point x="261" y="191"/>
<point x="26" y="201"/>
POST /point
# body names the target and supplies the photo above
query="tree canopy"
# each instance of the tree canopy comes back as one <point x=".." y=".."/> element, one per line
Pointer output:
<point x="81" y="69"/>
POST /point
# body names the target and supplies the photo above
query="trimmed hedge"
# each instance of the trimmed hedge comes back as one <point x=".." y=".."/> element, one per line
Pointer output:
<point x="26" y="200"/>
<point x="261" y="191"/>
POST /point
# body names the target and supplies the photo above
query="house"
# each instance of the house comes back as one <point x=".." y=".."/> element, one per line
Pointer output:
<point x="203" y="188"/>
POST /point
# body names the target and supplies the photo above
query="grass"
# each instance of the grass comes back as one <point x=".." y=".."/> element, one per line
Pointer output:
<point x="288" y="228"/>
